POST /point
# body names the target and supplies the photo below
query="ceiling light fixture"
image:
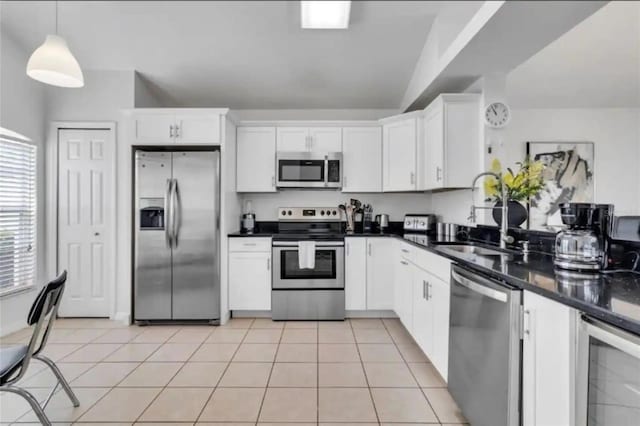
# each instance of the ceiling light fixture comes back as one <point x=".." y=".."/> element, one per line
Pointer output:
<point x="53" y="63"/>
<point x="325" y="14"/>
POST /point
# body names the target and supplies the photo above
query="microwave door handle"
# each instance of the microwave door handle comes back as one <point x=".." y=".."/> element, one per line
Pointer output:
<point x="326" y="170"/>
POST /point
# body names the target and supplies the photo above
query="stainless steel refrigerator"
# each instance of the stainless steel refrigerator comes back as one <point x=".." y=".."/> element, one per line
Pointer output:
<point x="176" y="236"/>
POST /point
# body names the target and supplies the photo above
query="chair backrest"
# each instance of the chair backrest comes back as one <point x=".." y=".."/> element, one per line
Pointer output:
<point x="43" y="305"/>
<point x="46" y="303"/>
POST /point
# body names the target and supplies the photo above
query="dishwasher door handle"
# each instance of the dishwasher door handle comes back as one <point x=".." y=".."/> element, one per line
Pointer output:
<point x="478" y="288"/>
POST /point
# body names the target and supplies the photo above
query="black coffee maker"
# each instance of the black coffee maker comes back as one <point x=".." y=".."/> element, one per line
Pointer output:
<point x="585" y="244"/>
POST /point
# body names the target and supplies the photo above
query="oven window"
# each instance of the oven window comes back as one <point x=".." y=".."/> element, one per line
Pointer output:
<point x="614" y="386"/>
<point x="325" y="266"/>
<point x="301" y="170"/>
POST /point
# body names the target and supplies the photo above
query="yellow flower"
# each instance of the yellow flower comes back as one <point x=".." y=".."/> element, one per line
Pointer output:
<point x="496" y="167"/>
<point x="490" y="186"/>
<point x="507" y="178"/>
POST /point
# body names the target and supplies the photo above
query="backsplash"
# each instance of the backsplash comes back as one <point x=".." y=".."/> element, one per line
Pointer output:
<point x="396" y="205"/>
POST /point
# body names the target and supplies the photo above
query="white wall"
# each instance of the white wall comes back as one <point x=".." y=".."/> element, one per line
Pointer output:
<point x="616" y="136"/>
<point x="265" y="205"/>
<point x="105" y="94"/>
<point x="22" y="109"/>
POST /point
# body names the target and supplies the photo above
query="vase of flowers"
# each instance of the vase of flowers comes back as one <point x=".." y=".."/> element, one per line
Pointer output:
<point x="521" y="186"/>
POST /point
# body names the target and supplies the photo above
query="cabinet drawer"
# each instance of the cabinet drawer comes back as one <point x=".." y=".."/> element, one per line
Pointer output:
<point x="407" y="252"/>
<point x="249" y="244"/>
<point x="437" y="266"/>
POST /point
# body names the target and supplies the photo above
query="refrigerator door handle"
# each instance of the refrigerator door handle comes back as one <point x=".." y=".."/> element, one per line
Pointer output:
<point x="175" y="212"/>
<point x="167" y="213"/>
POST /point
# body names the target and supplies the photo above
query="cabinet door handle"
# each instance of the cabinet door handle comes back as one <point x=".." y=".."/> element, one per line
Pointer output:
<point x="404" y="263"/>
<point x="526" y="322"/>
<point x="405" y="250"/>
<point x="429" y="292"/>
<point x="177" y="131"/>
<point x="273" y="181"/>
<point x="412" y="178"/>
<point x="424" y="289"/>
<point x="369" y="249"/>
<point x="268" y="264"/>
<point x="438" y="174"/>
<point x="426" y="285"/>
<point x="171" y="131"/>
<point x="346" y="247"/>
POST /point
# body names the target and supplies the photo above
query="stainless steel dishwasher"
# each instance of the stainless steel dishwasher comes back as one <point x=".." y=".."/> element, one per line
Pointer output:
<point x="485" y="348"/>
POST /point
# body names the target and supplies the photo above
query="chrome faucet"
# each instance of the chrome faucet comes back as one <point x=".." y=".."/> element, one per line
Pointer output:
<point x="504" y="226"/>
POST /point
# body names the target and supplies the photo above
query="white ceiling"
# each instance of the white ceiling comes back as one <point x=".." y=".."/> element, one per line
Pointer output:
<point x="594" y="65"/>
<point x="240" y="54"/>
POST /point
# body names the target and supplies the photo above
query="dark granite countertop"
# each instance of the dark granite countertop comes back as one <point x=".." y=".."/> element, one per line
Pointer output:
<point x="613" y="298"/>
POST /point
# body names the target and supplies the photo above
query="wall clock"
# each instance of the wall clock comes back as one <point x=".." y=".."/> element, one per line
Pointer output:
<point x="497" y="115"/>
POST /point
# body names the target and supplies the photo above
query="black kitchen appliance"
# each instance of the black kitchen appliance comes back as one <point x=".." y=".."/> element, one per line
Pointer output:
<point x="585" y="244"/>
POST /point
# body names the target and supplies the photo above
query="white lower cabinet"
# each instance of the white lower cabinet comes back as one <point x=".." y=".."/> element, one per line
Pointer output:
<point x="548" y="362"/>
<point x="440" y="296"/>
<point x="404" y="292"/>
<point x="355" y="273"/>
<point x="422" y="312"/>
<point x="380" y="273"/>
<point x="250" y="274"/>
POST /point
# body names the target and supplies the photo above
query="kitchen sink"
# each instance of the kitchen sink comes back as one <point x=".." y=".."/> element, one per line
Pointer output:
<point x="472" y="249"/>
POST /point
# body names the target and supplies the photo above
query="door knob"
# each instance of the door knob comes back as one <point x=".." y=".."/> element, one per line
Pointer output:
<point x="97" y="234"/>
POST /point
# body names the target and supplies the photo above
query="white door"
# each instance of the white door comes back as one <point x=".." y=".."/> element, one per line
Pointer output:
<point x="422" y="312"/>
<point x="439" y="297"/>
<point x="325" y="139"/>
<point x="196" y="128"/>
<point x="256" y="159"/>
<point x="250" y="281"/>
<point x="434" y="140"/>
<point x="355" y="274"/>
<point x="85" y="220"/>
<point x="547" y="361"/>
<point x="293" y="139"/>
<point x="154" y="128"/>
<point x="362" y="159"/>
<point x="380" y="291"/>
<point x="399" y="165"/>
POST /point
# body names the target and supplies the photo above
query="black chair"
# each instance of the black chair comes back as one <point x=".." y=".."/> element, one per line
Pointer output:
<point x="14" y="360"/>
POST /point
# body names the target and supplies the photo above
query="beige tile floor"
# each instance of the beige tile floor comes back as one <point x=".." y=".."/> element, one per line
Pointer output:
<point x="250" y="371"/>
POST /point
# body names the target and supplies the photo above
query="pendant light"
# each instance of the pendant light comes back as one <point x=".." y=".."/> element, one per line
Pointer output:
<point x="53" y="63"/>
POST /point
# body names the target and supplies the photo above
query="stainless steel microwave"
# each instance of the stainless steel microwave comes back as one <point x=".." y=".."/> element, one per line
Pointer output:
<point x="309" y="170"/>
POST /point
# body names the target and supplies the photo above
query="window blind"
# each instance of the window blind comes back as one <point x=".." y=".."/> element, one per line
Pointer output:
<point x="17" y="214"/>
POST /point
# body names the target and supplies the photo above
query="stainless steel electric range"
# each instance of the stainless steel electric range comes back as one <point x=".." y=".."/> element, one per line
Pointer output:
<point x="308" y="293"/>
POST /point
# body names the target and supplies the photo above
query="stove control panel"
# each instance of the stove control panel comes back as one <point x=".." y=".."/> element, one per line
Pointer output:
<point x="323" y="214"/>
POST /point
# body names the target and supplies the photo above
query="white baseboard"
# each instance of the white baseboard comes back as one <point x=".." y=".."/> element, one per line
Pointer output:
<point x="371" y="314"/>
<point x="124" y="317"/>
<point x="252" y="314"/>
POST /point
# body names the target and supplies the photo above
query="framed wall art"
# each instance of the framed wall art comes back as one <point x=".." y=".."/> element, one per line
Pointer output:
<point x="568" y="178"/>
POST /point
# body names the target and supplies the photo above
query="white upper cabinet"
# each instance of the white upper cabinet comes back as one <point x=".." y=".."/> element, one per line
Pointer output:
<point x="293" y="139"/>
<point x="355" y="274"/>
<point x="362" y="159"/>
<point x="166" y="127"/>
<point x="548" y="361"/>
<point x="256" y="159"/>
<point x="325" y="139"/>
<point x="400" y="142"/>
<point x="309" y="139"/>
<point x="154" y="128"/>
<point x="451" y="152"/>
<point x="196" y="128"/>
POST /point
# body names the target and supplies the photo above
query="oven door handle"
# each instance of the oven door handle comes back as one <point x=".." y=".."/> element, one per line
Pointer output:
<point x="615" y="337"/>
<point x="318" y="244"/>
